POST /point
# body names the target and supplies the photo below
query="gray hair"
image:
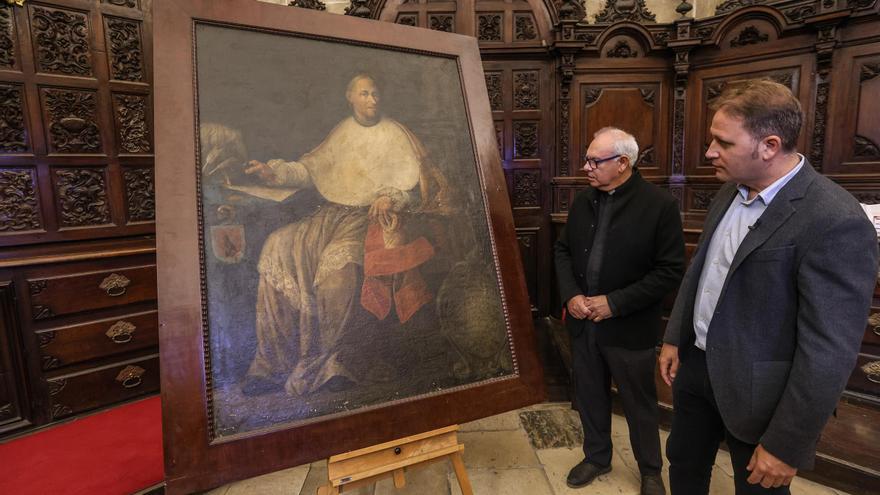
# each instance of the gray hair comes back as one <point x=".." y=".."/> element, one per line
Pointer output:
<point x="624" y="143"/>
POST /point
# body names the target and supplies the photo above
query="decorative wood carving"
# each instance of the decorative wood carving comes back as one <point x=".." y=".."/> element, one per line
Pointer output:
<point x="493" y="85"/>
<point x="62" y="41"/>
<point x="648" y="96"/>
<point x="6" y="411"/>
<point x="72" y="122"/>
<point x="359" y="8"/>
<point x="56" y="386"/>
<point x="677" y="192"/>
<point x="499" y="138"/>
<point x="661" y="38"/>
<point x="625" y="10"/>
<point x="865" y="147"/>
<point x="37" y="286"/>
<point x="587" y="38"/>
<point x="750" y="35"/>
<point x="308" y="4"/>
<point x="797" y="14"/>
<point x="859" y="4"/>
<point x="622" y="50"/>
<point x="124" y="39"/>
<point x="564" y="116"/>
<point x="19" y="204"/>
<point x="868" y="198"/>
<point x="7" y="38"/>
<point x="82" y="196"/>
<point x="817" y="147"/>
<point x="13" y="135"/>
<point x="50" y="362"/>
<point x="442" y="22"/>
<point x="869" y="71"/>
<point x="59" y="410"/>
<point x="408" y="19"/>
<point x="139" y="194"/>
<point x="646" y="157"/>
<point x="678" y="129"/>
<point x="123" y="3"/>
<point x="131" y="123"/>
<point x="46" y="338"/>
<point x="705" y="31"/>
<point x="525" y="139"/>
<point x="489" y="27"/>
<point x="731" y="5"/>
<point x="702" y="199"/>
<point x="525" y="90"/>
<point x="526" y="184"/>
<point x="524" y="28"/>
<point x="40" y="312"/>
<point x="591" y="95"/>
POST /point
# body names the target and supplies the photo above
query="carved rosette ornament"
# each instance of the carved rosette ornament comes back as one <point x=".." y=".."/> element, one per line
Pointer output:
<point x="489" y="27"/>
<point x="7" y="38"/>
<point x="19" y="204"/>
<point x="82" y="197"/>
<point x="73" y="127"/>
<point x="702" y="199"/>
<point x="441" y="22"/>
<point x="131" y="122"/>
<point x="62" y="41"/>
<point x="408" y="19"/>
<point x="525" y="188"/>
<point x="524" y="28"/>
<point x="622" y="50"/>
<point x="493" y="86"/>
<point x="750" y="35"/>
<point x="625" y="10"/>
<point x="525" y="90"/>
<point x="525" y="139"/>
<point x="308" y="4"/>
<point x="13" y="137"/>
<point x="125" y="50"/>
<point x="140" y="194"/>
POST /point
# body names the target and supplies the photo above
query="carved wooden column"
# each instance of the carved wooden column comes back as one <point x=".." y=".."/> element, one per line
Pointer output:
<point x="826" y="41"/>
<point x="684" y="42"/>
<point x="567" y="47"/>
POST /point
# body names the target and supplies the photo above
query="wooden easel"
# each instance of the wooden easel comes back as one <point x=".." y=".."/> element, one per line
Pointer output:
<point x="364" y="466"/>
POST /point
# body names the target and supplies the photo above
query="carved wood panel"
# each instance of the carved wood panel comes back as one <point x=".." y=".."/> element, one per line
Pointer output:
<point x="638" y="107"/>
<point x="59" y="115"/>
<point x="140" y="199"/>
<point x="526" y="90"/>
<point x="71" y="116"/>
<point x="710" y="83"/>
<point x="61" y="40"/>
<point x="525" y="139"/>
<point x="526" y="188"/>
<point x="490" y="27"/>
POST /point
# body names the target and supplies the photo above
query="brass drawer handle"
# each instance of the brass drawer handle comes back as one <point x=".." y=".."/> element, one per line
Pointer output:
<point x="874" y="321"/>
<point x="130" y="376"/>
<point x="121" y="332"/>
<point x="872" y="371"/>
<point x="114" y="285"/>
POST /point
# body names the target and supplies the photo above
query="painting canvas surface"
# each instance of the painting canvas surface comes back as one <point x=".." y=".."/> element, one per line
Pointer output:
<point x="348" y="259"/>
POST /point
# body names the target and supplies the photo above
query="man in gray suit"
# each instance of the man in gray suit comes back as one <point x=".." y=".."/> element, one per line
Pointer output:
<point x="770" y="315"/>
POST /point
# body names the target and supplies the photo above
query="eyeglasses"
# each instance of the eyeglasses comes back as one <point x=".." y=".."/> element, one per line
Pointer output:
<point x="594" y="162"/>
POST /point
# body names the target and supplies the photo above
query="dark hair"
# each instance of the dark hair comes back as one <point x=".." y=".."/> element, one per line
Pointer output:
<point x="766" y="108"/>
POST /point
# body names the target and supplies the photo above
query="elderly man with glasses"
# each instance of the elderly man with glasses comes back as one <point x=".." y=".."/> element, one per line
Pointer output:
<point x="620" y="253"/>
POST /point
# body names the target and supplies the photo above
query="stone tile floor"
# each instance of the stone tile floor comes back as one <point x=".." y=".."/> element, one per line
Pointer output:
<point x="524" y="452"/>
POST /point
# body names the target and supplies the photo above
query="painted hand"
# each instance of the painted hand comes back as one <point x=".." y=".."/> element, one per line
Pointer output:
<point x="769" y="470"/>
<point x="263" y="171"/>
<point x="381" y="211"/>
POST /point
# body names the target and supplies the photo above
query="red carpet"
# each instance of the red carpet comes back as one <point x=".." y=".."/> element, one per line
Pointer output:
<point x="113" y="452"/>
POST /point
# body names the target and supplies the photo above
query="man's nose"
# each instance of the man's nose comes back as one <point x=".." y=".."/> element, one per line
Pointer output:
<point x="711" y="152"/>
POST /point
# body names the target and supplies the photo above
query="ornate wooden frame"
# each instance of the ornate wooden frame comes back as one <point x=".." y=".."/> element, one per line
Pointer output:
<point x="193" y="460"/>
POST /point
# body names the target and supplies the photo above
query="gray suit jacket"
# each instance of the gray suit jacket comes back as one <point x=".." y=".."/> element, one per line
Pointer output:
<point x="791" y="315"/>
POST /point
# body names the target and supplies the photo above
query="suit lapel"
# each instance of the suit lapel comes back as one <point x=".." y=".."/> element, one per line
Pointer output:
<point x="776" y="214"/>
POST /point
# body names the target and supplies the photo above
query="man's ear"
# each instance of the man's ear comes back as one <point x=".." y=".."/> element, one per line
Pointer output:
<point x="770" y="146"/>
<point x="624" y="162"/>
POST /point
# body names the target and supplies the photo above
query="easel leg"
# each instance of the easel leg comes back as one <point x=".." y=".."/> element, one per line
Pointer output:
<point x="463" y="481"/>
<point x="399" y="480"/>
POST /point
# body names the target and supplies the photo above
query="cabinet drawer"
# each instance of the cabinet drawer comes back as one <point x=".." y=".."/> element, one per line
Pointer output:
<point x="97" y="387"/>
<point x="68" y="294"/>
<point x="865" y="377"/>
<point x="872" y="332"/>
<point x="62" y="346"/>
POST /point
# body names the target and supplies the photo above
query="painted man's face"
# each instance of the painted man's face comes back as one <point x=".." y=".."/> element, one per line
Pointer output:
<point x="364" y="100"/>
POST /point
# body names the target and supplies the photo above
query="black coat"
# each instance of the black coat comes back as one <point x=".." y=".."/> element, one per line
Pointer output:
<point x="643" y="260"/>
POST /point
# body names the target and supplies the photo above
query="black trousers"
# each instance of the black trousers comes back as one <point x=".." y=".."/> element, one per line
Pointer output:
<point x="593" y="367"/>
<point x="697" y="431"/>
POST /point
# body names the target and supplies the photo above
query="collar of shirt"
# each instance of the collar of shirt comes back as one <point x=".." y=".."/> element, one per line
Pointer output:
<point x="767" y="195"/>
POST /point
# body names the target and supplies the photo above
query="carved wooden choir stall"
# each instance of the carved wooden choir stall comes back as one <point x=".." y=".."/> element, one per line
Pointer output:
<point x="77" y="275"/>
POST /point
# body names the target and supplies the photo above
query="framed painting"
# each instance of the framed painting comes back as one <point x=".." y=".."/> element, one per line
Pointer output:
<point x="336" y="254"/>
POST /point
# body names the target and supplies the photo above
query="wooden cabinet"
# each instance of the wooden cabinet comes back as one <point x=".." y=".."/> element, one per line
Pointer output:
<point x="13" y="404"/>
